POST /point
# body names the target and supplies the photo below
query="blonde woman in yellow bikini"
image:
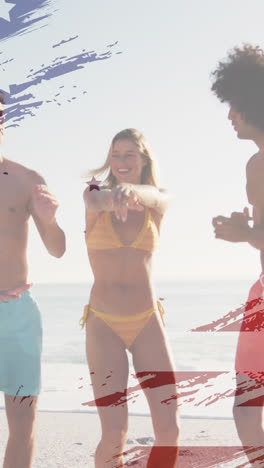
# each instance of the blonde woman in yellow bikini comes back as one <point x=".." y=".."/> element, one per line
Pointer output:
<point x="123" y="222"/>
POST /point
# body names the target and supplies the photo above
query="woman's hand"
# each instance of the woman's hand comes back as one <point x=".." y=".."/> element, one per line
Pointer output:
<point x="124" y="198"/>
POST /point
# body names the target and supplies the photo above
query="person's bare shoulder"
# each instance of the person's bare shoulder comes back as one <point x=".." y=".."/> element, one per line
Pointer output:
<point x="256" y="162"/>
<point x="26" y="175"/>
<point x="23" y="181"/>
<point x="34" y="178"/>
<point x="89" y="194"/>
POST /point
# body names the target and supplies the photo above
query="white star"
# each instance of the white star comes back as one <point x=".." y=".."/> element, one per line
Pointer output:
<point x="93" y="181"/>
<point x="5" y="9"/>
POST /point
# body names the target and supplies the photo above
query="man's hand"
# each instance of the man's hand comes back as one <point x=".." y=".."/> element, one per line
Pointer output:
<point x="44" y="203"/>
<point x="11" y="294"/>
<point x="241" y="218"/>
<point x="233" y="229"/>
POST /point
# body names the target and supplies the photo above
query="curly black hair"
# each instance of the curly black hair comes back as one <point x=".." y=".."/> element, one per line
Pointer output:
<point x="239" y="80"/>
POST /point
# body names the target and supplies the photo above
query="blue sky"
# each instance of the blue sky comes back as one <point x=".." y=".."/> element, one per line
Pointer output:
<point x="160" y="84"/>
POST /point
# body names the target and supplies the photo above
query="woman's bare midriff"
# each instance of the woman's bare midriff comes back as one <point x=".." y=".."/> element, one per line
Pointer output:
<point x="122" y="284"/>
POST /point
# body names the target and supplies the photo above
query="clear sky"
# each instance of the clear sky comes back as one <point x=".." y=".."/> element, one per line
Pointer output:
<point x="160" y="84"/>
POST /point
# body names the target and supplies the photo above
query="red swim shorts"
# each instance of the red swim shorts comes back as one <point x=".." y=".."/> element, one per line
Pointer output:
<point x="250" y="346"/>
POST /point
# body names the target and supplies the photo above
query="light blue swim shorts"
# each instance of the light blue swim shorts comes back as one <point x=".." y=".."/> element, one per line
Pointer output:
<point x="20" y="346"/>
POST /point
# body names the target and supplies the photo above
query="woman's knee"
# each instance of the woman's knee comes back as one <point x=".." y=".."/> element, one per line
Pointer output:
<point x="168" y="432"/>
<point x="172" y="431"/>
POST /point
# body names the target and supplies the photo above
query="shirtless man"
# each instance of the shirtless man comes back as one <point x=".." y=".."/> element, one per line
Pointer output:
<point x="23" y="193"/>
<point x="239" y="81"/>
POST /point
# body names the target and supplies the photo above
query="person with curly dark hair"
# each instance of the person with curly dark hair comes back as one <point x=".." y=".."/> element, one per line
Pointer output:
<point x="239" y="81"/>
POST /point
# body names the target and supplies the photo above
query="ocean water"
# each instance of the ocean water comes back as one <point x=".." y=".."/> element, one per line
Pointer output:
<point x="66" y="384"/>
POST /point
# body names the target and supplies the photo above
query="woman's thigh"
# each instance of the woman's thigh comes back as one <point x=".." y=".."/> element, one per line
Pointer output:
<point x="108" y="364"/>
<point x="155" y="370"/>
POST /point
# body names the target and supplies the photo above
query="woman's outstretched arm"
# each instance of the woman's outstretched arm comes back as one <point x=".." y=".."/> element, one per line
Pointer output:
<point x="130" y="196"/>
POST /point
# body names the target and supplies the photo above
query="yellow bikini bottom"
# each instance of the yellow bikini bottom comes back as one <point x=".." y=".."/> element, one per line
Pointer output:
<point x="126" y="327"/>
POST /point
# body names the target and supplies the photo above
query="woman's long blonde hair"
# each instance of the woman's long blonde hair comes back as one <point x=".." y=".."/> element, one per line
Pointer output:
<point x="149" y="173"/>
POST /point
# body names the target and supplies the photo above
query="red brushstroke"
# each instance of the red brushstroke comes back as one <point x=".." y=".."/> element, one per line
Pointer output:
<point x="24" y="398"/>
<point x="153" y="457"/>
<point x="189" y="386"/>
<point x="246" y="318"/>
<point x="248" y="386"/>
<point x="199" y="457"/>
<point x="115" y="399"/>
<point x="158" y="379"/>
<point x="19" y="388"/>
<point x="252" y="322"/>
<point x="259" y="401"/>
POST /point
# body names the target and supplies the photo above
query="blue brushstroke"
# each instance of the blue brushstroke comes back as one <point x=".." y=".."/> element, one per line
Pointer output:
<point x="19" y="106"/>
<point x="26" y="16"/>
<point x="21" y="20"/>
<point x="64" y="41"/>
<point x="60" y="66"/>
<point x="112" y="45"/>
<point x="7" y="61"/>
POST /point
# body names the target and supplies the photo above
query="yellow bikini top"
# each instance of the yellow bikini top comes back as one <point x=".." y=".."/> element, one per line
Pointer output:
<point x="103" y="236"/>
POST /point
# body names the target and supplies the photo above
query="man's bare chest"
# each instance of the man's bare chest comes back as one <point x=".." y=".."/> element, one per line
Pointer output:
<point x="14" y="200"/>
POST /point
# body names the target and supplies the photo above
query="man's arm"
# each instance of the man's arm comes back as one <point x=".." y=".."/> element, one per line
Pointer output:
<point x="43" y="206"/>
<point x="236" y="228"/>
<point x="255" y="192"/>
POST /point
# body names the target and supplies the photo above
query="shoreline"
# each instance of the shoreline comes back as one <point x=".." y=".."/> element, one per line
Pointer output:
<point x="144" y="415"/>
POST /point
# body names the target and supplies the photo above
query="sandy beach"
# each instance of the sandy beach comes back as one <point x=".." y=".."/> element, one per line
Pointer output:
<point x="68" y="440"/>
